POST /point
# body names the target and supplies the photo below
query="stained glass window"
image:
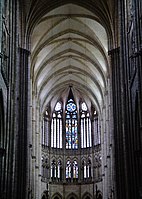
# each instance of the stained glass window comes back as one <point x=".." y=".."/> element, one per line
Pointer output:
<point x="59" y="170"/>
<point x="68" y="169"/>
<point x="86" y="140"/>
<point x="71" y="125"/>
<point x="75" y="169"/>
<point x="56" y="127"/>
<point x="53" y="169"/>
<point x="86" y="169"/>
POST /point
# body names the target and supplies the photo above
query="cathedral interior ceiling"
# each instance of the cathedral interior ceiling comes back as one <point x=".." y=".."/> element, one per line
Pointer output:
<point x="69" y="47"/>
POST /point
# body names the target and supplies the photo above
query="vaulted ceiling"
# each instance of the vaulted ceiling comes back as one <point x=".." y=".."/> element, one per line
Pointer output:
<point x="69" y="48"/>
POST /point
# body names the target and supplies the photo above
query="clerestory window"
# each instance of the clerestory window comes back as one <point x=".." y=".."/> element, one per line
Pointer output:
<point x="86" y="140"/>
<point x="71" y="125"/>
<point x="56" y="127"/>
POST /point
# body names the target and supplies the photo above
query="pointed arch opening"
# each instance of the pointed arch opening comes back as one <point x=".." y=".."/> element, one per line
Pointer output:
<point x="71" y="125"/>
<point x="56" y="126"/>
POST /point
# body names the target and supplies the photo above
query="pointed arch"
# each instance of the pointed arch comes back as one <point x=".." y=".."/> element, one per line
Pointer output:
<point x="72" y="196"/>
<point x="75" y="170"/>
<point x="68" y="170"/>
<point x="71" y="123"/>
<point x="57" y="196"/>
<point x="86" y="138"/>
<point x="56" y="126"/>
<point x="59" y="170"/>
<point x="87" y="195"/>
<point x="53" y="169"/>
<point x="44" y="195"/>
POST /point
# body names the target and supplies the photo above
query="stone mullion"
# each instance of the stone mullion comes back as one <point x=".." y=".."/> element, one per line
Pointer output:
<point x="49" y="131"/>
<point x="64" y="147"/>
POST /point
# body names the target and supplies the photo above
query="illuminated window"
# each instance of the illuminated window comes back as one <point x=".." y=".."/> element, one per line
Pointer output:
<point x="71" y="125"/>
<point x="68" y="169"/>
<point x="86" y="169"/>
<point x="86" y="140"/>
<point x="75" y="169"/>
<point x="53" y="169"/>
<point x="59" y="170"/>
<point x="71" y="170"/>
<point x="56" y="127"/>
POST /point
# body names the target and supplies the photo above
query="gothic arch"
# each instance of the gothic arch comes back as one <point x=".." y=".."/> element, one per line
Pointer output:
<point x="99" y="195"/>
<point x="87" y="195"/>
<point x="72" y="196"/>
<point x="57" y="196"/>
<point x="44" y="195"/>
<point x="41" y="11"/>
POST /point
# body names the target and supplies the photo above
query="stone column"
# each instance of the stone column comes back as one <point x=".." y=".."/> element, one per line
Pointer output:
<point x="23" y="112"/>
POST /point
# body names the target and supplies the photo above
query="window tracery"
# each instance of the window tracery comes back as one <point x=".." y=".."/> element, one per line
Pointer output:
<point x="56" y="127"/>
<point x="86" y="169"/>
<point x="75" y="170"/>
<point x="86" y="140"/>
<point x="71" y="171"/>
<point x="56" y="170"/>
<point x="71" y="125"/>
<point x="53" y="169"/>
<point x="59" y="173"/>
<point x="45" y="166"/>
<point x="74" y="122"/>
<point x="68" y="169"/>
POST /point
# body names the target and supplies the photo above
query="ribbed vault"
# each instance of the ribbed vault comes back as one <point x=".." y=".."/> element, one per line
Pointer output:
<point x="69" y="47"/>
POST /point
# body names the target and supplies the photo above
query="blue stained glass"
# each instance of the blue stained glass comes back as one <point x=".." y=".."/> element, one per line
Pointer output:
<point x="68" y="116"/>
<point x="68" y="169"/>
<point x="71" y="107"/>
<point x="71" y="125"/>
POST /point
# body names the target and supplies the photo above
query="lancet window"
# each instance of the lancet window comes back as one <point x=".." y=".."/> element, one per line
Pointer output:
<point x="56" y="170"/>
<point x="86" y="169"/>
<point x="68" y="169"/>
<point x="56" y="127"/>
<point x="53" y="169"/>
<point x="71" y="170"/>
<point x="86" y="140"/>
<point x="75" y="169"/>
<point x="71" y="125"/>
